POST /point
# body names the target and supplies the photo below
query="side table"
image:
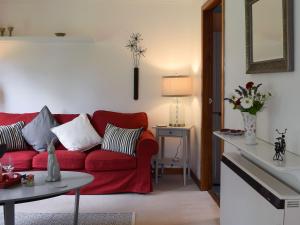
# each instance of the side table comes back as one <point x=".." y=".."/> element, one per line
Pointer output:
<point x="161" y="160"/>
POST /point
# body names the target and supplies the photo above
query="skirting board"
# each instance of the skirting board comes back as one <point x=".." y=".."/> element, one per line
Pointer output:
<point x="215" y="197"/>
<point x="195" y="179"/>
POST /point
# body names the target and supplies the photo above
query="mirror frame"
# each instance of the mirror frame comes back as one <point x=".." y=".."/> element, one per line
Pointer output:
<point x="284" y="64"/>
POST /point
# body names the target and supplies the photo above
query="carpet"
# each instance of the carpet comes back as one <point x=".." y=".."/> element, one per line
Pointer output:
<point x="67" y="219"/>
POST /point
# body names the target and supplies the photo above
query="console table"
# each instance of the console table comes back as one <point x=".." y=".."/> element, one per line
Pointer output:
<point x="262" y="153"/>
<point x="254" y="188"/>
<point x="251" y="196"/>
<point x="161" y="160"/>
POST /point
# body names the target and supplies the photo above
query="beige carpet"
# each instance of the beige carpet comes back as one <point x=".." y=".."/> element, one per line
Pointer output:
<point x="68" y="218"/>
<point x="170" y="204"/>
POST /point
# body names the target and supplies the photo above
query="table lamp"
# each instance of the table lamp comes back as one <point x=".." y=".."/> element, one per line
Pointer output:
<point x="177" y="87"/>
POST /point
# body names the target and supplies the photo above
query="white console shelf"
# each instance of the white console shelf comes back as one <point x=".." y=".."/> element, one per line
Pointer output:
<point x="46" y="39"/>
<point x="263" y="152"/>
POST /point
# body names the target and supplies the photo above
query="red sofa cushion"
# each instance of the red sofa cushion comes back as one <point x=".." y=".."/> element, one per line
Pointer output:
<point x="67" y="160"/>
<point x="101" y="160"/>
<point x="22" y="159"/>
<point x="10" y="118"/>
<point x="124" y="120"/>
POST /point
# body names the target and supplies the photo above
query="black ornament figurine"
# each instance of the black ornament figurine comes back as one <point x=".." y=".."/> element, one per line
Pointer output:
<point x="10" y="30"/>
<point x="280" y="146"/>
<point x="2" y="31"/>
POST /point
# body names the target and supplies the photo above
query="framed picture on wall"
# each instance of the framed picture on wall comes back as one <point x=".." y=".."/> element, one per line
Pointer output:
<point x="269" y="36"/>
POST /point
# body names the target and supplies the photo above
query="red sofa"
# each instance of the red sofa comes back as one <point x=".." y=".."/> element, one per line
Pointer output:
<point x="113" y="172"/>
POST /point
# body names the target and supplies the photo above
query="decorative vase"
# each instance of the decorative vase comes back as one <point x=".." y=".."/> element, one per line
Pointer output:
<point x="136" y="84"/>
<point x="250" y="128"/>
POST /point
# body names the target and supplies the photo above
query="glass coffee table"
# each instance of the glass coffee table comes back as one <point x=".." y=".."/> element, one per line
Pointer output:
<point x="70" y="181"/>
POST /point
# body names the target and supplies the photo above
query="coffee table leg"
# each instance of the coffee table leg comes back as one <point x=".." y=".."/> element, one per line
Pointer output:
<point x="77" y="197"/>
<point x="9" y="213"/>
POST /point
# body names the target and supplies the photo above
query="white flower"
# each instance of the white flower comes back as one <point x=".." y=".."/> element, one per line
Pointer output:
<point x="246" y="103"/>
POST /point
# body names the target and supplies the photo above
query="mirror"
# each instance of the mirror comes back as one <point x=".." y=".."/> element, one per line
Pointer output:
<point x="269" y="36"/>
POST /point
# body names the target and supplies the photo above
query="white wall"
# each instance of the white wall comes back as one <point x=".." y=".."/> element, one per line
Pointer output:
<point x="83" y="77"/>
<point x="283" y="109"/>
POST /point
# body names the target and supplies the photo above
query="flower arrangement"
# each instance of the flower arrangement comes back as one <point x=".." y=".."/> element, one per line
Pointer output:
<point x="136" y="49"/>
<point x="248" y="98"/>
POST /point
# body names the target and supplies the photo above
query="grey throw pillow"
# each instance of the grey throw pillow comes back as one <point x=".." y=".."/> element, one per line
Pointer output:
<point x="37" y="133"/>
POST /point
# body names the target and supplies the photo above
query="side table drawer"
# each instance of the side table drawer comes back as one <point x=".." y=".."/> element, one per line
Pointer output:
<point x="172" y="133"/>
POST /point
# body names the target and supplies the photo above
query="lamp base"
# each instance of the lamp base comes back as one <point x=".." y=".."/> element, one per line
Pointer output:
<point x="176" y="125"/>
<point x="176" y="118"/>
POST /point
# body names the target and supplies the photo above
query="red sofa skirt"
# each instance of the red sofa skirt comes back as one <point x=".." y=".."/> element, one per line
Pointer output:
<point x="125" y="181"/>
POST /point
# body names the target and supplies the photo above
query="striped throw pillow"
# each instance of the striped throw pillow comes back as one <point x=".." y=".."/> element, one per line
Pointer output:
<point x="120" y="139"/>
<point x="11" y="135"/>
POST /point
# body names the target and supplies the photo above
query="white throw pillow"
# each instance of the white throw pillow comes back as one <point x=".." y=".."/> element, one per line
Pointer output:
<point x="78" y="134"/>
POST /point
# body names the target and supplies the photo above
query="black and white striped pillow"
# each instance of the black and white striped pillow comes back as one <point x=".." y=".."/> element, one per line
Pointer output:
<point x="120" y="139"/>
<point x="11" y="135"/>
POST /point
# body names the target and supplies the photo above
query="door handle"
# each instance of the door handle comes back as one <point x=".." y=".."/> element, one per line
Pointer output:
<point x="210" y="101"/>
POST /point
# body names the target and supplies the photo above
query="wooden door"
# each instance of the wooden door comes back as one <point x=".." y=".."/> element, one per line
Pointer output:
<point x="207" y="90"/>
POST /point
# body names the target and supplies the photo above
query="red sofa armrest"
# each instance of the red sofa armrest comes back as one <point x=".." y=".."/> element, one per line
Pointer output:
<point x="147" y="144"/>
<point x="146" y="147"/>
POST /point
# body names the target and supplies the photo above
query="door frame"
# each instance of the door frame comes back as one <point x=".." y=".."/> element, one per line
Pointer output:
<point x="207" y="90"/>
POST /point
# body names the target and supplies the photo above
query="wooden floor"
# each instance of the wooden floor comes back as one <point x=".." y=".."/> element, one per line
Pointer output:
<point x="169" y="204"/>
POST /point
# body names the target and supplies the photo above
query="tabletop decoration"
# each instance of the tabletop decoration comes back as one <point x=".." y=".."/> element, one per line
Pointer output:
<point x="53" y="166"/>
<point x="28" y="180"/>
<point x="9" y="180"/>
<point x="249" y="101"/>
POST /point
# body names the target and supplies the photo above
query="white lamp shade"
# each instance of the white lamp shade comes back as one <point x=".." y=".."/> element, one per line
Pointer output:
<point x="177" y="86"/>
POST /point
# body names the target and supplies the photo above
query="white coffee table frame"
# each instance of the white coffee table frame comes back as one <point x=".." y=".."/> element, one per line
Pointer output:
<point x="71" y="181"/>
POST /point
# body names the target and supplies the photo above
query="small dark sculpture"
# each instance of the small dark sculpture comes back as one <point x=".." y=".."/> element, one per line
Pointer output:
<point x="10" y="30"/>
<point x="3" y="149"/>
<point x="280" y="146"/>
<point x="2" y="31"/>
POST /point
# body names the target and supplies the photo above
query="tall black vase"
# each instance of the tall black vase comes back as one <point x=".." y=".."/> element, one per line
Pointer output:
<point x="136" y="84"/>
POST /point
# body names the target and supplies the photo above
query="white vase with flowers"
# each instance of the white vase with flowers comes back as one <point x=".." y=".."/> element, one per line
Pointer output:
<point x="249" y="101"/>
